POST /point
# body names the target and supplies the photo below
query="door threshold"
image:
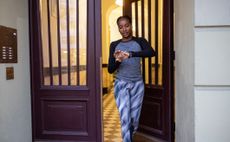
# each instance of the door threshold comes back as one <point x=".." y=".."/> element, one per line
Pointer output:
<point x="140" y="137"/>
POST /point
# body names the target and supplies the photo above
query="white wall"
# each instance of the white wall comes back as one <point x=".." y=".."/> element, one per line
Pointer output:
<point x="212" y="68"/>
<point x="202" y="39"/>
<point x="15" y="106"/>
<point x="184" y="70"/>
<point x="212" y="114"/>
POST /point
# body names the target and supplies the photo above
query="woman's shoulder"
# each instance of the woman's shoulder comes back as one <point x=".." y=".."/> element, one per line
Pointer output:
<point x="115" y="43"/>
<point x="139" y="39"/>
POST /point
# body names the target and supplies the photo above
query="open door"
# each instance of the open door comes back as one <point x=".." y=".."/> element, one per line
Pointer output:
<point x="65" y="70"/>
<point x="153" y="19"/>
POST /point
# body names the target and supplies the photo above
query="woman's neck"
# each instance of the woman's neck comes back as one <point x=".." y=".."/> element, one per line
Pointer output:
<point x="127" y="39"/>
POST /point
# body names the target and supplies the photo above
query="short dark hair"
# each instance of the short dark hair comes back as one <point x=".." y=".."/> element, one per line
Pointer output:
<point x="124" y="17"/>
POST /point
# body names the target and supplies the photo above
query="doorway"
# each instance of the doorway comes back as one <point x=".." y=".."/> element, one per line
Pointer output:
<point x="151" y="19"/>
<point x="66" y="70"/>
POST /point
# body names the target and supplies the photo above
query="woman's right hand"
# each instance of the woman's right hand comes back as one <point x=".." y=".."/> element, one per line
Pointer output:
<point x="121" y="55"/>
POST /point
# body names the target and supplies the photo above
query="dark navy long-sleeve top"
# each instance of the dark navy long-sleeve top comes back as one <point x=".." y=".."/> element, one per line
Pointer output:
<point x="129" y="69"/>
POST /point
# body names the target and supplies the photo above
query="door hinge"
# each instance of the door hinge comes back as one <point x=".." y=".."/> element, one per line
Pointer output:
<point x="174" y="126"/>
<point x="173" y="55"/>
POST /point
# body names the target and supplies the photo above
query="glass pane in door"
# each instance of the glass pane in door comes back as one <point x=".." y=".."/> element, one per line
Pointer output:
<point x="133" y="6"/>
<point x="147" y="22"/>
<point x="156" y="38"/>
<point x="64" y="42"/>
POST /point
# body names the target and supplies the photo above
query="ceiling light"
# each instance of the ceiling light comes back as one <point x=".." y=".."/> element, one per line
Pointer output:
<point x="119" y="2"/>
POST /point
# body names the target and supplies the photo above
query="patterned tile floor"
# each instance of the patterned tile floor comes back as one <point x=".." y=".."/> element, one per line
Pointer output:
<point x="111" y="120"/>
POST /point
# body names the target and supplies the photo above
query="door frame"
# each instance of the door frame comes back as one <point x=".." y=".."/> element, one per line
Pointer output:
<point x="168" y="46"/>
<point x="98" y="46"/>
<point x="168" y="27"/>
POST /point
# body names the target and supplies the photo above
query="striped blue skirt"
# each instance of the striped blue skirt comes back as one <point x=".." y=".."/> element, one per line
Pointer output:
<point x="129" y="98"/>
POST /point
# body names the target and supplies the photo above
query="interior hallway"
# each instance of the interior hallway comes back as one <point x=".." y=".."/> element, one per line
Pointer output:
<point x="111" y="121"/>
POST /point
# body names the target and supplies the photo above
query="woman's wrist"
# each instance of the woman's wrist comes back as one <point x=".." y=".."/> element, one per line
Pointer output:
<point x="118" y="60"/>
<point x="130" y="54"/>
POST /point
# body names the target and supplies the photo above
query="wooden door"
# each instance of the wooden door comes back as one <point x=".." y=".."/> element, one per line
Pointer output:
<point x="153" y="19"/>
<point x="65" y="70"/>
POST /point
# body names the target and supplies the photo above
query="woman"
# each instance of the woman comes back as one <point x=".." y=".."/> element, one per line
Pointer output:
<point x="125" y="61"/>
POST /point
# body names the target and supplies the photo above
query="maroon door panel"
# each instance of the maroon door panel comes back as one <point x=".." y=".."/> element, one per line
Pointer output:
<point x="65" y="70"/>
<point x="153" y="19"/>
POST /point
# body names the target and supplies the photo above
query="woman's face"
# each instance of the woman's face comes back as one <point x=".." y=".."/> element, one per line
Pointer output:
<point x="125" y="28"/>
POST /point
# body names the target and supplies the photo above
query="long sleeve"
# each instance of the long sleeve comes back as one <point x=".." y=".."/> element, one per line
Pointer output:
<point x="113" y="64"/>
<point x="147" y="50"/>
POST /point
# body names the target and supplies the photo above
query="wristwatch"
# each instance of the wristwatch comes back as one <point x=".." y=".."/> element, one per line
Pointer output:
<point x="130" y="54"/>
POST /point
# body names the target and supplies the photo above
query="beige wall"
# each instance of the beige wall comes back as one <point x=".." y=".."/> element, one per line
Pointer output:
<point x="106" y="4"/>
<point x="107" y="8"/>
<point x="202" y="39"/>
<point x="15" y="105"/>
<point x="212" y="68"/>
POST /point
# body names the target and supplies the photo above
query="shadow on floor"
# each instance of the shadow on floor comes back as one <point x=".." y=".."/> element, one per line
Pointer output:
<point x="139" y="137"/>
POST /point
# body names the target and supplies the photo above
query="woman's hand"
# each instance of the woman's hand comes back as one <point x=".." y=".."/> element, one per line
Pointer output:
<point x="121" y="55"/>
